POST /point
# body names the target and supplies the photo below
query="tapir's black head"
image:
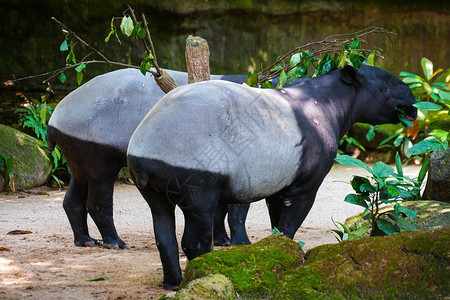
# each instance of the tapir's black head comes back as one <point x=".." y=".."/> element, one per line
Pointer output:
<point x="380" y="95"/>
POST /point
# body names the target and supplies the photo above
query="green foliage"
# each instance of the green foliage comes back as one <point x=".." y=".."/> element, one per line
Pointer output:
<point x="344" y="233"/>
<point x="9" y="173"/>
<point x="36" y="117"/>
<point x="384" y="186"/>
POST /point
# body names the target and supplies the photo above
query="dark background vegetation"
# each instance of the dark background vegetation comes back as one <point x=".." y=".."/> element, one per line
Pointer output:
<point x="241" y="34"/>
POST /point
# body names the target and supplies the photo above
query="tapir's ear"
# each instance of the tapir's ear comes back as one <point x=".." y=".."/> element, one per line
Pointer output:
<point x="349" y="74"/>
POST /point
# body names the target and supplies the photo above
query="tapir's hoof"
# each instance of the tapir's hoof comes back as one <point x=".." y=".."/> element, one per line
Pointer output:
<point x="171" y="287"/>
<point x="89" y="243"/>
<point x="115" y="245"/>
<point x="225" y="241"/>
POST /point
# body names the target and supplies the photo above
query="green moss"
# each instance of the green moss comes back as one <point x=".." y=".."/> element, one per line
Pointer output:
<point x="253" y="268"/>
<point x="409" y="265"/>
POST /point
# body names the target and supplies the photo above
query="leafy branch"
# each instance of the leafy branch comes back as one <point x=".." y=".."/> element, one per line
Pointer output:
<point x="129" y="26"/>
<point x="347" y="49"/>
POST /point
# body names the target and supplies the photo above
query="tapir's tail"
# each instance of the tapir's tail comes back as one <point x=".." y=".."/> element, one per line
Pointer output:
<point x="139" y="176"/>
<point x="51" y="144"/>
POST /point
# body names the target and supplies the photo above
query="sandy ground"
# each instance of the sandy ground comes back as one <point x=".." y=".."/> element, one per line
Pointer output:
<point x="46" y="265"/>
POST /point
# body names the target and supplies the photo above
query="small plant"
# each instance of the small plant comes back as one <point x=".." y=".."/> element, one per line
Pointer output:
<point x="276" y="230"/>
<point x="345" y="233"/>
<point x="7" y="168"/>
<point x="36" y="117"/>
<point x="384" y="186"/>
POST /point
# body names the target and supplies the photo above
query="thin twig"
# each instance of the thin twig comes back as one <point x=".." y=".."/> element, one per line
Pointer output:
<point x="80" y="39"/>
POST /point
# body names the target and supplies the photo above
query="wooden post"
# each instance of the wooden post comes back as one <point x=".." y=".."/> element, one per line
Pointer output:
<point x="197" y="59"/>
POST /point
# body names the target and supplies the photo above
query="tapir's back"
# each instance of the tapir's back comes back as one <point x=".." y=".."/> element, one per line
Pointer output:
<point x="225" y="128"/>
<point x="108" y="108"/>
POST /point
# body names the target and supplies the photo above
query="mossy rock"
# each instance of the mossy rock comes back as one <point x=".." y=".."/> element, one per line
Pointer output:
<point x="31" y="158"/>
<point x="216" y="286"/>
<point x="408" y="265"/>
<point x="431" y="215"/>
<point x="255" y="270"/>
<point x="438" y="183"/>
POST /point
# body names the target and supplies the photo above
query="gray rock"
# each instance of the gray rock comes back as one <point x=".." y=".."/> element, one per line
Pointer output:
<point x="31" y="158"/>
<point x="438" y="184"/>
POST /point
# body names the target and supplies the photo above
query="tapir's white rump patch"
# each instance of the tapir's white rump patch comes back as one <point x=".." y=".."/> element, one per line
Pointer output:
<point x="248" y="134"/>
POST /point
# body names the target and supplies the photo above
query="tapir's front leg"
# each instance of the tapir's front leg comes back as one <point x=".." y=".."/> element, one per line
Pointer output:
<point x="294" y="209"/>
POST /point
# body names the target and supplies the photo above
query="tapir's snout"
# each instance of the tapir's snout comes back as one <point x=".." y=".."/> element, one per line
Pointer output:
<point x="410" y="111"/>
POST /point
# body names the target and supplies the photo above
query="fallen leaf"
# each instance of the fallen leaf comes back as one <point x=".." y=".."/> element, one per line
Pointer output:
<point x="98" y="279"/>
<point x="19" y="232"/>
<point x="413" y="131"/>
<point x="4" y="249"/>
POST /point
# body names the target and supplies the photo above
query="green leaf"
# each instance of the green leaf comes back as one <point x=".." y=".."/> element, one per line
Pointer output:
<point x="109" y="36"/>
<point x="402" y="118"/>
<point x="423" y="169"/>
<point x="371" y="133"/>
<point x="266" y="85"/>
<point x="392" y="190"/>
<point x="371" y="59"/>
<point x="400" y="222"/>
<point x="127" y="26"/>
<point x="440" y="134"/>
<point x="427" y="145"/>
<point x="62" y="78"/>
<point x="295" y="59"/>
<point x="252" y="79"/>
<point x="355" y="44"/>
<point x="142" y="68"/>
<point x="292" y="74"/>
<point x="98" y="279"/>
<point x="80" y="68"/>
<point x="358" y="233"/>
<point x="79" y="77"/>
<point x="417" y="79"/>
<point x="302" y="244"/>
<point x="398" y="164"/>
<point x="282" y="79"/>
<point x="427" y="67"/>
<point x="427" y="106"/>
<point x="386" y="226"/>
<point x="64" y="46"/>
<point x="356" y="199"/>
<point x="404" y="210"/>
<point x="382" y="170"/>
<point x="444" y="95"/>
<point x="350" y="161"/>
<point x="357" y="182"/>
<point x="43" y="113"/>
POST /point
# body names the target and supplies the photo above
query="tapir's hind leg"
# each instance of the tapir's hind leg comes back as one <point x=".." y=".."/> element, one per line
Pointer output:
<point x="75" y="207"/>
<point x="163" y="214"/>
<point x="100" y="207"/>
<point x="198" y="208"/>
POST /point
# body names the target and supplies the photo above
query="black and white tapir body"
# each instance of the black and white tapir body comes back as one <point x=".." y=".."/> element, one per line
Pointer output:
<point x="220" y="141"/>
<point x="93" y="125"/>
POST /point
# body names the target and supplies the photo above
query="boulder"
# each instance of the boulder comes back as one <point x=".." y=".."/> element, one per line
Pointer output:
<point x="407" y="265"/>
<point x="216" y="286"/>
<point x="438" y="183"/>
<point x="30" y="158"/>
<point x="254" y="269"/>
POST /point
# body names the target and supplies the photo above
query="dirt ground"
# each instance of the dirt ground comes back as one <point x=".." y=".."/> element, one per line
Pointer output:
<point x="45" y="264"/>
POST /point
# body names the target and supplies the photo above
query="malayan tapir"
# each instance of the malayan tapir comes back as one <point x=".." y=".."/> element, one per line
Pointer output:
<point x="93" y="125"/>
<point x="220" y="141"/>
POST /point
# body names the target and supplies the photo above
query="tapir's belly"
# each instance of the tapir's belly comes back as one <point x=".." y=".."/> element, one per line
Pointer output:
<point x="250" y="138"/>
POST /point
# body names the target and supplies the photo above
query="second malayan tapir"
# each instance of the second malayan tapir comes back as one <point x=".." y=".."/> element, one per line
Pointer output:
<point x="93" y="125"/>
<point x="217" y="141"/>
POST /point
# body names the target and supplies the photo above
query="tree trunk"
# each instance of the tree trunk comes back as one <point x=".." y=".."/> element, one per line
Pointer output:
<point x="197" y="59"/>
